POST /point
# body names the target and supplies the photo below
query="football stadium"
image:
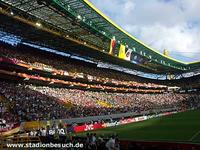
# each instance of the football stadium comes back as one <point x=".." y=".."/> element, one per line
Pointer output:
<point x="71" y="78"/>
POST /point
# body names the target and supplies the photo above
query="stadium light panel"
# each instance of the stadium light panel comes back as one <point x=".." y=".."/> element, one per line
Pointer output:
<point x="68" y="7"/>
<point x="79" y="17"/>
<point x="38" y="24"/>
<point x="84" y="19"/>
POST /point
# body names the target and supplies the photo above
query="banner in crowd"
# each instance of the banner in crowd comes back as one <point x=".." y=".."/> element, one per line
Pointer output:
<point x="122" y="51"/>
<point x="33" y="125"/>
<point x="65" y="73"/>
<point x="126" y="121"/>
<point x="4" y="126"/>
<point x="90" y="78"/>
<point x="103" y="104"/>
<point x="80" y="75"/>
<point x="112" y="46"/>
<point x="48" y="69"/>
<point x="11" y="131"/>
<point x="8" y="128"/>
<point x="8" y="60"/>
<point x="85" y="127"/>
<point x="128" y="54"/>
<point x="112" y="124"/>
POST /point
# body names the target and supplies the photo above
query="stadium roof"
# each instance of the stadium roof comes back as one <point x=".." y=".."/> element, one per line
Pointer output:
<point x="77" y="26"/>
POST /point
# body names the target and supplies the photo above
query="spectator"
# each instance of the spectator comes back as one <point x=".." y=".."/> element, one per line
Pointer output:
<point x="110" y="145"/>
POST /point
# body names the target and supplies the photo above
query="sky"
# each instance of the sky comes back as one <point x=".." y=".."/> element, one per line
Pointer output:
<point x="162" y="24"/>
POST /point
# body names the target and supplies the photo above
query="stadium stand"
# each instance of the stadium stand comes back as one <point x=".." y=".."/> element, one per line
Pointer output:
<point x="31" y="102"/>
<point x="49" y="63"/>
<point x="30" y="99"/>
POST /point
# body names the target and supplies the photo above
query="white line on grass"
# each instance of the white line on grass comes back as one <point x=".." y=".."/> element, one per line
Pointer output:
<point x="194" y="136"/>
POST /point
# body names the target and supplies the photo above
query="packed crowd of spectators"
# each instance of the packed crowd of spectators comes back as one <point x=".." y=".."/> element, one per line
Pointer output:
<point x="30" y="102"/>
<point x="72" y="67"/>
<point x="6" y="112"/>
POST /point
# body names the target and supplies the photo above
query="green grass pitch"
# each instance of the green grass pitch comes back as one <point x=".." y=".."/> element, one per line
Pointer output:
<point x="180" y="127"/>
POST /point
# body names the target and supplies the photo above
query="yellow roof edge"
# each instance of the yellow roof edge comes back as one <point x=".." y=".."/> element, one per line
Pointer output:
<point x="111" y="22"/>
<point x="194" y="62"/>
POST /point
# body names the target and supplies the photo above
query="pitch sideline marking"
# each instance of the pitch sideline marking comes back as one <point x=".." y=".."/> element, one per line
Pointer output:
<point x="194" y="136"/>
